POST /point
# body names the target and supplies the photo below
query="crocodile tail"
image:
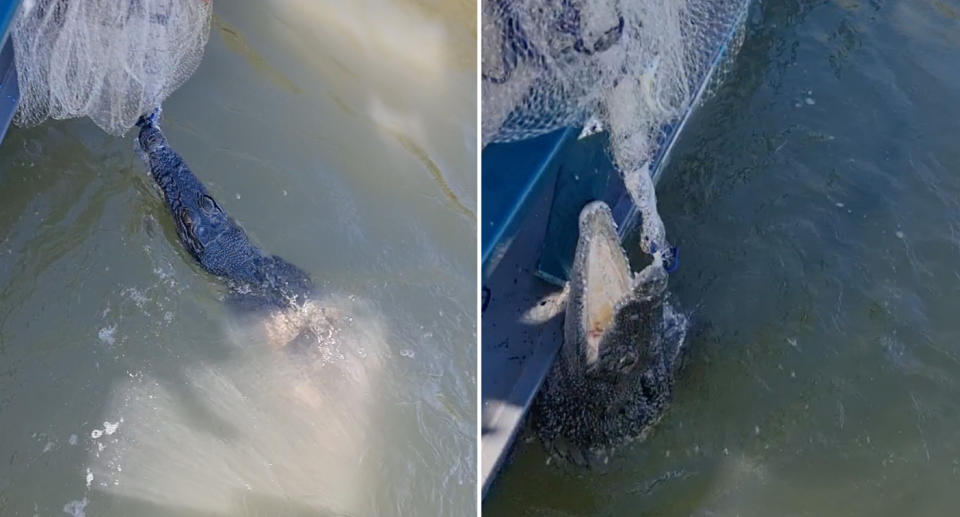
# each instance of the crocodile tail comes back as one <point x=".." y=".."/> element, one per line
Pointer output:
<point x="149" y="119"/>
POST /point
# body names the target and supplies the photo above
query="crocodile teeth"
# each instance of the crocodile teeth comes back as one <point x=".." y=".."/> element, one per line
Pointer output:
<point x="601" y="281"/>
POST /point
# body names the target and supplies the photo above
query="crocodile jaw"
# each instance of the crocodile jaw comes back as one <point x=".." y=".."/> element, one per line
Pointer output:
<point x="600" y="282"/>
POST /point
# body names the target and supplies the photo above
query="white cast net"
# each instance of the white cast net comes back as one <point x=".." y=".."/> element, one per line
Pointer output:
<point x="110" y="60"/>
<point x="632" y="65"/>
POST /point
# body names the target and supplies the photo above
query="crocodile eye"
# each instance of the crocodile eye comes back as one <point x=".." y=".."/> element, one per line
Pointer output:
<point x="208" y="205"/>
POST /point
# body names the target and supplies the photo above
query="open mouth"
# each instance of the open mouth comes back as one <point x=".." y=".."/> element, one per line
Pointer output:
<point x="602" y="279"/>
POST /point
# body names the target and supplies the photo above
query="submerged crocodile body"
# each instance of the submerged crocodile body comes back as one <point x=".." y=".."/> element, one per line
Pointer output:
<point x="256" y="280"/>
<point x="614" y="374"/>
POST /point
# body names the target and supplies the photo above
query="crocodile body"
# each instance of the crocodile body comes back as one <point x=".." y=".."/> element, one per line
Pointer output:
<point x="221" y="247"/>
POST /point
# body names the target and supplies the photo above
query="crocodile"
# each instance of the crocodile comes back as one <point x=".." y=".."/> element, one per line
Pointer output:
<point x="615" y="371"/>
<point x="256" y="280"/>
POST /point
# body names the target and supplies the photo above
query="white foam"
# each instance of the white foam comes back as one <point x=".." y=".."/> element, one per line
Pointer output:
<point x="106" y="334"/>
<point x="138" y="297"/>
<point x="76" y="508"/>
<point x="109" y="428"/>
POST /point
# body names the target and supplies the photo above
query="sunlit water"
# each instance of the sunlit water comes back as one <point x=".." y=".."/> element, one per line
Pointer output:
<point x="342" y="138"/>
<point x="815" y="202"/>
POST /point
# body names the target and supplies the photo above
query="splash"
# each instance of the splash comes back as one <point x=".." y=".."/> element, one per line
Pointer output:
<point x="275" y="425"/>
<point x="76" y="508"/>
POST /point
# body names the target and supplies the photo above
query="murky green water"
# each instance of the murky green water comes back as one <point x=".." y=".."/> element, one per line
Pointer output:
<point x="815" y="202"/>
<point x="343" y="141"/>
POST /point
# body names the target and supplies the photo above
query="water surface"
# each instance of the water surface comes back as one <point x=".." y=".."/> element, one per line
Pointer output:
<point x="815" y="202"/>
<point x="341" y="142"/>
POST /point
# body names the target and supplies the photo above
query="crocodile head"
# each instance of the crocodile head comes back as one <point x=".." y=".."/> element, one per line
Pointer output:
<point x="258" y="282"/>
<point x="613" y="318"/>
<point x="212" y="237"/>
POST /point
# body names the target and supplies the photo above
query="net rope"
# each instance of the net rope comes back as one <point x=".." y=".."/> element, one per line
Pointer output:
<point x="110" y="60"/>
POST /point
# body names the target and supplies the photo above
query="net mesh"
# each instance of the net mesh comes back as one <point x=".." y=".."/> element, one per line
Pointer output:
<point x="632" y="65"/>
<point x="549" y="64"/>
<point x="110" y="60"/>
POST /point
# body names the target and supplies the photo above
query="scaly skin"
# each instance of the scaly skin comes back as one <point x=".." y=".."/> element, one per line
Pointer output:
<point x="614" y="375"/>
<point x="213" y="238"/>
